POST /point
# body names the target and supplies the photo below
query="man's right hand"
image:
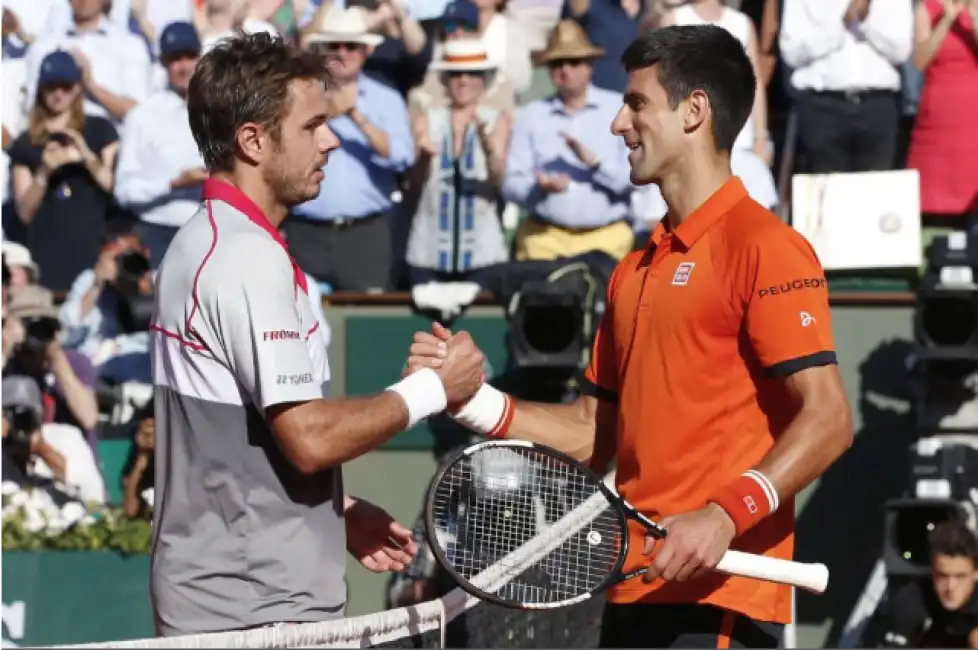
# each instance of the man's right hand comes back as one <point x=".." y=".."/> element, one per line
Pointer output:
<point x="428" y="350"/>
<point x="461" y="369"/>
<point x="552" y="183"/>
<point x="431" y="350"/>
<point x="188" y="178"/>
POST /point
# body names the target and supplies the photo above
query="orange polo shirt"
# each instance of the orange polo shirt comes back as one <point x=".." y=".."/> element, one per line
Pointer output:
<point x="698" y="329"/>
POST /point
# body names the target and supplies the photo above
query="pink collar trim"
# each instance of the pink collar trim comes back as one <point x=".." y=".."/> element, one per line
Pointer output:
<point x="218" y="190"/>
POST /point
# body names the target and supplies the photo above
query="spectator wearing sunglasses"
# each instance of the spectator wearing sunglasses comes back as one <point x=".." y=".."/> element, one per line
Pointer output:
<point x="565" y="167"/>
<point x="460" y="22"/>
<point x="460" y="161"/>
<point x="343" y="237"/>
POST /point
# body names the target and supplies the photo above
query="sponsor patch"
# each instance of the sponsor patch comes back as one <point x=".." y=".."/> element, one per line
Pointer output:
<point x="280" y="335"/>
<point x="683" y="271"/>
<point x="791" y="285"/>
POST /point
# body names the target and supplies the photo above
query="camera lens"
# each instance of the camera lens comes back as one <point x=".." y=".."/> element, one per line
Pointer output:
<point x="41" y="329"/>
<point x="23" y="422"/>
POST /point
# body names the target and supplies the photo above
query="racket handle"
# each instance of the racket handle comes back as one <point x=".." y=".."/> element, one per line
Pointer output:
<point x="810" y="577"/>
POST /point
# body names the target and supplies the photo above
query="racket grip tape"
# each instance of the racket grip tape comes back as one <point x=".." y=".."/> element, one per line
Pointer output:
<point x="748" y="499"/>
<point x="811" y="577"/>
<point x="489" y="412"/>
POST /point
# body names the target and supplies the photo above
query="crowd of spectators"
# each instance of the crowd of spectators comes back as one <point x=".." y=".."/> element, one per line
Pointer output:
<point x="473" y="133"/>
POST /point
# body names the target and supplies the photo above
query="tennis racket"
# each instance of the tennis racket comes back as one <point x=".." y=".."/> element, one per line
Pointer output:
<point x="525" y="526"/>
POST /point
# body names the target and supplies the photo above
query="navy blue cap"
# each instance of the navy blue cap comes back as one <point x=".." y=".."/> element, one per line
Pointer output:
<point x="463" y="13"/>
<point x="59" y="67"/>
<point x="179" y="37"/>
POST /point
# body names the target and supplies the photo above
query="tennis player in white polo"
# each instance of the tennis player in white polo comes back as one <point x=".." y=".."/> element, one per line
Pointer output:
<point x="251" y="525"/>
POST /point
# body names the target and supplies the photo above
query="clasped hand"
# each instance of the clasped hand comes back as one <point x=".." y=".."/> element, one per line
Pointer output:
<point x="456" y="359"/>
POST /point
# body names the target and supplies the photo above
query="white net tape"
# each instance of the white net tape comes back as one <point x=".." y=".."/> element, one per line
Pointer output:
<point x="384" y="627"/>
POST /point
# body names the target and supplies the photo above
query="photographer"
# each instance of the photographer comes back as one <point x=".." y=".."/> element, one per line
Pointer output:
<point x="941" y="612"/>
<point x="106" y="313"/>
<point x="66" y="377"/>
<point x="46" y="454"/>
<point x="138" y="474"/>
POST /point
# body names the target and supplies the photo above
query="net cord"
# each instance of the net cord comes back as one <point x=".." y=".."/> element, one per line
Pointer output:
<point x="389" y="625"/>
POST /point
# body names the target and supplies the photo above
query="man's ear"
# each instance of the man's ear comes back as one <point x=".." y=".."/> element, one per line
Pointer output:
<point x="251" y="142"/>
<point x="696" y="111"/>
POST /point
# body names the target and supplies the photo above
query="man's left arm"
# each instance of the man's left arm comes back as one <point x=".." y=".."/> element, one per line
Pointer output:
<point x="788" y="321"/>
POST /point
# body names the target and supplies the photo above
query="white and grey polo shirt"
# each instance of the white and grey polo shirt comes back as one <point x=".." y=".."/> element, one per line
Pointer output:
<point x="241" y="538"/>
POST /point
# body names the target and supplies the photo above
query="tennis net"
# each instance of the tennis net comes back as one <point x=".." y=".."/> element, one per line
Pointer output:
<point x="456" y="620"/>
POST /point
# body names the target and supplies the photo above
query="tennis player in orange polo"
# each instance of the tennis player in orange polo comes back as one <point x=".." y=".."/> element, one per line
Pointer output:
<point x="713" y="379"/>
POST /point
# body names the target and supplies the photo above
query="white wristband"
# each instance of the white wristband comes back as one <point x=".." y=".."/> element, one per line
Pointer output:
<point x="488" y="412"/>
<point x="423" y="393"/>
<point x="768" y="488"/>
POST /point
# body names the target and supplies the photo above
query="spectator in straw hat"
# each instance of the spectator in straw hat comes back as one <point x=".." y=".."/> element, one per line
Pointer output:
<point x="461" y="146"/>
<point x="565" y="168"/>
<point x="343" y="236"/>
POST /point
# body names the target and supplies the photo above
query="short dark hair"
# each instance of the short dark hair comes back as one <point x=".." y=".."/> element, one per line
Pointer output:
<point x="118" y="228"/>
<point x="954" y="539"/>
<point x="700" y="57"/>
<point x="245" y="79"/>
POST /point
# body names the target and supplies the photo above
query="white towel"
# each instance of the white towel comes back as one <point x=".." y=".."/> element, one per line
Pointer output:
<point x="449" y="298"/>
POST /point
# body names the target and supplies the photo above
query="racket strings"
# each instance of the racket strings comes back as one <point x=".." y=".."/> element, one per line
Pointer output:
<point x="530" y="527"/>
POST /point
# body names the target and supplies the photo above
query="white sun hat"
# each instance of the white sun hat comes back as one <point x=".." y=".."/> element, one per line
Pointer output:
<point x="345" y="26"/>
<point x="464" y="55"/>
